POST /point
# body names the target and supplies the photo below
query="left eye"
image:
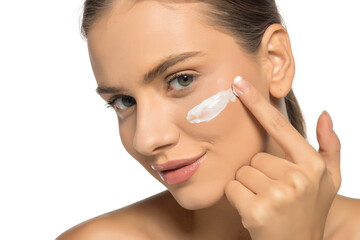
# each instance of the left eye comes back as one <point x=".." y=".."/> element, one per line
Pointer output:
<point x="124" y="102"/>
<point x="181" y="81"/>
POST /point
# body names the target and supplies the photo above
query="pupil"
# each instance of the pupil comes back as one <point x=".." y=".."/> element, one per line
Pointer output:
<point x="128" y="101"/>
<point x="185" y="80"/>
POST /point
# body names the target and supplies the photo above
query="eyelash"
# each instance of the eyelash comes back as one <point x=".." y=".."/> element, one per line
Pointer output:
<point x="179" y="75"/>
<point x="110" y="104"/>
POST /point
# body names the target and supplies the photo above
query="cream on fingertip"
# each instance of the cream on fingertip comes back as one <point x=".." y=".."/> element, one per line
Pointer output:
<point x="237" y="79"/>
<point x="240" y="86"/>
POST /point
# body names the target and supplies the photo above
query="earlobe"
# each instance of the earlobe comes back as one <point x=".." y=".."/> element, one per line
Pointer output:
<point x="281" y="67"/>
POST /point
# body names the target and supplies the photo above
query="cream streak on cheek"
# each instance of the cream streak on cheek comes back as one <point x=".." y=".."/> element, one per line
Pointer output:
<point x="211" y="107"/>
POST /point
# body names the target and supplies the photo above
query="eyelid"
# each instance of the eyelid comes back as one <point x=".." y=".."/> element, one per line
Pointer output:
<point x="182" y="92"/>
<point x="110" y="103"/>
<point x="170" y="77"/>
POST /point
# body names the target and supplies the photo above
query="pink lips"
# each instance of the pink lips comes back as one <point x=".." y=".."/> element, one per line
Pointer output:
<point x="178" y="171"/>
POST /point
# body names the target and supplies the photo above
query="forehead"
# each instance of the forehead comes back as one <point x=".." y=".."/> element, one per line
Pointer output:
<point x="132" y="37"/>
<point x="147" y="16"/>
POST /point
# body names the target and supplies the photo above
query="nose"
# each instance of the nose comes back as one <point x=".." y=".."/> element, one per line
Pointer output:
<point x="155" y="131"/>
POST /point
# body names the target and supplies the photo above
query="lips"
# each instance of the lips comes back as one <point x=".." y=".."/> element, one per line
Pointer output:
<point x="178" y="171"/>
<point x="171" y="165"/>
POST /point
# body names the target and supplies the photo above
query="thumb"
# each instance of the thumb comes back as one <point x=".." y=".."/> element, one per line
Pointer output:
<point x="329" y="146"/>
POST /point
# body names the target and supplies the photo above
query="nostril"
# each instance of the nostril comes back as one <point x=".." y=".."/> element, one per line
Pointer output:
<point x="156" y="149"/>
<point x="148" y="143"/>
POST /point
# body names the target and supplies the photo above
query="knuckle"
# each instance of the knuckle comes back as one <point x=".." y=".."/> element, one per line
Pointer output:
<point x="281" y="197"/>
<point x="298" y="182"/>
<point x="318" y="166"/>
<point x="277" y="195"/>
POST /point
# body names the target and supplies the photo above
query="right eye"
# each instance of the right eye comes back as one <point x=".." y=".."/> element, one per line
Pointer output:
<point x="123" y="102"/>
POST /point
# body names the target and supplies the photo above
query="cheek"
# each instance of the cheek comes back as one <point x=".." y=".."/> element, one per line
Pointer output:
<point x="234" y="126"/>
<point x="244" y="139"/>
<point x="126" y="132"/>
<point x="231" y="140"/>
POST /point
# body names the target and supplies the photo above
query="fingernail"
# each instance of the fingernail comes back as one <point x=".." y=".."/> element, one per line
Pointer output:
<point x="240" y="86"/>
<point x="331" y="126"/>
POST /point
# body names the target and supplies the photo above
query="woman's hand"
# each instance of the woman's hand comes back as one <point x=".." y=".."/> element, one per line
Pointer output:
<point x="286" y="198"/>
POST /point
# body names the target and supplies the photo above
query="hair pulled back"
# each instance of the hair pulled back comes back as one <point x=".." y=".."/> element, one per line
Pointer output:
<point x="246" y="20"/>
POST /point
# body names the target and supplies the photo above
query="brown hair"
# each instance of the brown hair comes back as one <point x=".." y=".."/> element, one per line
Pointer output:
<point x="246" y="20"/>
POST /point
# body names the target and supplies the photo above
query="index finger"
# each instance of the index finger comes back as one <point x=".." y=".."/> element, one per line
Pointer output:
<point x="274" y="122"/>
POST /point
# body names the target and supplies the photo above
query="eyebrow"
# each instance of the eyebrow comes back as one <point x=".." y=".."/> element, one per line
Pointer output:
<point x="159" y="69"/>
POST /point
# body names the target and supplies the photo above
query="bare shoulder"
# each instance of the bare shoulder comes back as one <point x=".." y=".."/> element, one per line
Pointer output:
<point x="352" y="219"/>
<point x="137" y="221"/>
<point x="346" y="218"/>
<point x="103" y="227"/>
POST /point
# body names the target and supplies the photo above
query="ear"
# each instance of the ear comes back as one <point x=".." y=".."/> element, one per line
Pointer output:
<point x="280" y="65"/>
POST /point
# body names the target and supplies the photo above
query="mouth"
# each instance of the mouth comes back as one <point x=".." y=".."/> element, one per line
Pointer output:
<point x="178" y="171"/>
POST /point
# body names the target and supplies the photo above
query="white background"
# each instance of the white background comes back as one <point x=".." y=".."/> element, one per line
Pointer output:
<point x="61" y="160"/>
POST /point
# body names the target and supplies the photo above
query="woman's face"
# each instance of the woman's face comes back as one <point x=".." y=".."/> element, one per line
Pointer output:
<point x="128" y="43"/>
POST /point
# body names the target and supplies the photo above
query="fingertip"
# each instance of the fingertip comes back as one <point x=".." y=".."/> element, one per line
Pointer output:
<point x="237" y="79"/>
<point x="324" y="124"/>
<point x="327" y="138"/>
<point x="240" y="86"/>
<point x="329" y="119"/>
<point x="230" y="186"/>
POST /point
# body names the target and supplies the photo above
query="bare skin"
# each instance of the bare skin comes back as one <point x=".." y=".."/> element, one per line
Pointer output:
<point x="171" y="221"/>
<point x="156" y="131"/>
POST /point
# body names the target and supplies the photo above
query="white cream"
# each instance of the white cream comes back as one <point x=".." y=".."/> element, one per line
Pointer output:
<point x="211" y="107"/>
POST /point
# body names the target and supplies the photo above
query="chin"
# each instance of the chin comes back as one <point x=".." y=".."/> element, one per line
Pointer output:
<point x="195" y="198"/>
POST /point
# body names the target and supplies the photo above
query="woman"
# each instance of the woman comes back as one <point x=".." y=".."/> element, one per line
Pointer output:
<point x="246" y="172"/>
